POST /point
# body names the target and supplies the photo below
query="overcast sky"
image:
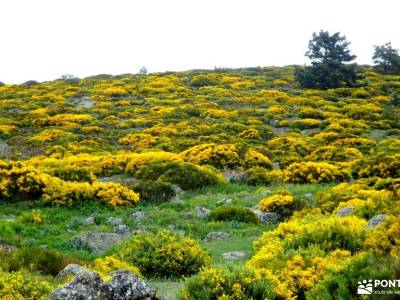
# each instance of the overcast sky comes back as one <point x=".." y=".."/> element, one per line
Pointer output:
<point x="44" y="39"/>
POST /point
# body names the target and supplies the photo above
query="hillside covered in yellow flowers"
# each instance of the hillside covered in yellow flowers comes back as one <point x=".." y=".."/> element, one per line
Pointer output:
<point x="304" y="183"/>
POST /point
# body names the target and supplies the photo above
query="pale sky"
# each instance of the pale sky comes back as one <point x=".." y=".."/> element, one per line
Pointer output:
<point x="44" y="39"/>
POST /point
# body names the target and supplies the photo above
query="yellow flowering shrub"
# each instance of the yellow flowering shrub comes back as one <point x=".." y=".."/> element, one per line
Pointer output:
<point x="165" y="254"/>
<point x="115" y="194"/>
<point x="19" y="182"/>
<point x="253" y="158"/>
<point x="314" y="172"/>
<point x="34" y="217"/>
<point x="106" y="265"/>
<point x="385" y="238"/>
<point x="51" y="135"/>
<point x="60" y="192"/>
<point x="227" y="283"/>
<point x="69" y="120"/>
<point x="138" y="161"/>
<point x="365" y="200"/>
<point x="306" y="123"/>
<point x="279" y="203"/>
<point x="22" y="285"/>
<point x="380" y="165"/>
<point x="6" y="129"/>
<point x="138" y="141"/>
<point x="218" y="156"/>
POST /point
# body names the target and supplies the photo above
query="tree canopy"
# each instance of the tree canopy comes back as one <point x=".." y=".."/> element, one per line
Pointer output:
<point x="386" y="59"/>
<point x="328" y="55"/>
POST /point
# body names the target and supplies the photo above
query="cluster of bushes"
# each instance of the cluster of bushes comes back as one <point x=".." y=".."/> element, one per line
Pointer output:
<point x="21" y="183"/>
<point x="165" y="254"/>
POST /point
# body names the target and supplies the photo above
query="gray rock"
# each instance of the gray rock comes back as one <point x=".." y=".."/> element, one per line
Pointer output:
<point x="71" y="269"/>
<point x="83" y="102"/>
<point x="276" y="166"/>
<point x="125" y="285"/>
<point x="178" y="193"/>
<point x="267" y="217"/>
<point x="224" y="201"/>
<point x="202" y="212"/>
<point x="5" y="151"/>
<point x="115" y="221"/>
<point x="345" y="211"/>
<point x="217" y="235"/>
<point x="234" y="175"/>
<point x="89" y="221"/>
<point x="174" y="228"/>
<point x="96" y="241"/>
<point x="234" y="255"/>
<point x="376" y="220"/>
<point x="87" y="285"/>
<point x="138" y="216"/>
<point x="121" y="229"/>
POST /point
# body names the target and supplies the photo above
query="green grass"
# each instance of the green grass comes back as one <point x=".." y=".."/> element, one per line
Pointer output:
<point x="62" y="223"/>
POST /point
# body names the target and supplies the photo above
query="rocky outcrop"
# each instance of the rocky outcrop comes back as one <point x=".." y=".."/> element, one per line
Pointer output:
<point x="202" y="212"/>
<point x="376" y="220"/>
<point x="234" y="255"/>
<point x="267" y="217"/>
<point x="125" y="285"/>
<point x="138" y="216"/>
<point x="217" y="235"/>
<point x="71" y="269"/>
<point x="87" y="285"/>
<point x="345" y="211"/>
<point x="96" y="241"/>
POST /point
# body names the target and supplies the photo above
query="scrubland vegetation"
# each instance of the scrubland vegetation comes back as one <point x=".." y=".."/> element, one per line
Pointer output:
<point x="153" y="152"/>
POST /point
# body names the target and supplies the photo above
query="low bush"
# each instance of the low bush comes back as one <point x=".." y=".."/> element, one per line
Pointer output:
<point x="257" y="176"/>
<point x="234" y="213"/>
<point x="185" y="175"/>
<point x="165" y="254"/>
<point x="47" y="261"/>
<point x="253" y="158"/>
<point x="31" y="217"/>
<point x="23" y="285"/>
<point x="282" y="203"/>
<point x="314" y="172"/>
<point x="75" y="173"/>
<point x="106" y="265"/>
<point x="227" y="283"/>
<point x="154" y="190"/>
<point x="379" y="165"/>
<point x="219" y="156"/>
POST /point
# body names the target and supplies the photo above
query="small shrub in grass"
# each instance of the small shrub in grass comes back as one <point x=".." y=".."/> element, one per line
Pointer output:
<point x="234" y="213"/>
<point x="44" y="260"/>
<point x="257" y="176"/>
<point x="156" y="191"/>
<point x="227" y="283"/>
<point x="165" y="254"/>
<point x="23" y="285"/>
<point x="31" y="217"/>
<point x="282" y="202"/>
